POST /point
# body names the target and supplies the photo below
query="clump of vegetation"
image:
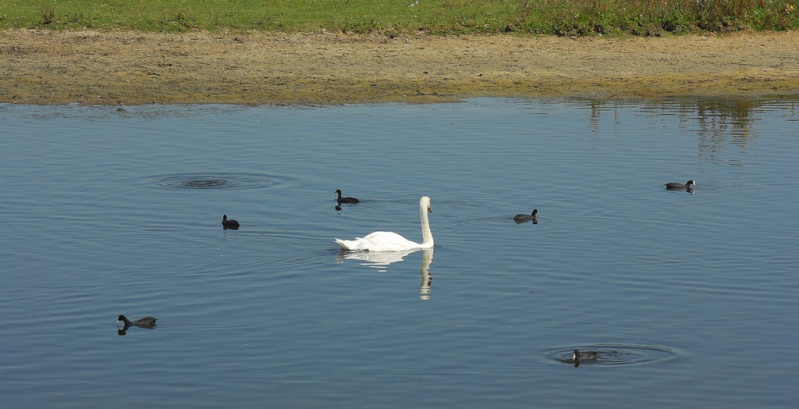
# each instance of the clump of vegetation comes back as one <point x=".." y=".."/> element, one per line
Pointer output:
<point x="653" y="17"/>
<point x="561" y="17"/>
<point x="47" y="16"/>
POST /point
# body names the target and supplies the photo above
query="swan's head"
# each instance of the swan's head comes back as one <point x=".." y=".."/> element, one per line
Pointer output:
<point x="424" y="202"/>
<point x="691" y="183"/>
<point x="535" y="213"/>
<point x="338" y="191"/>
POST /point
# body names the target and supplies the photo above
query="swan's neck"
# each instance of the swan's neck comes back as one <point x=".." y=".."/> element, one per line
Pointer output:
<point x="427" y="235"/>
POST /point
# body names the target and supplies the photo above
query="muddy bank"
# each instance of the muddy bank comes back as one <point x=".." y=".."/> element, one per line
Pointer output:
<point x="46" y="67"/>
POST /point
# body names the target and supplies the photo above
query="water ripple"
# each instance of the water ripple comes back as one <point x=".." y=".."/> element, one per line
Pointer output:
<point x="215" y="181"/>
<point x="617" y="354"/>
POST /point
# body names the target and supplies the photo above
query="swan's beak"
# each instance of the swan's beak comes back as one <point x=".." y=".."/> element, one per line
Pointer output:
<point x="429" y="209"/>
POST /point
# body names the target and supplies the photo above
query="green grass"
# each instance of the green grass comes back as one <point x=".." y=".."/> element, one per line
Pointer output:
<point x="392" y="17"/>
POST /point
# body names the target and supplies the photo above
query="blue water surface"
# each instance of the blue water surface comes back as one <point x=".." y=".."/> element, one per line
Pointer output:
<point x="690" y="298"/>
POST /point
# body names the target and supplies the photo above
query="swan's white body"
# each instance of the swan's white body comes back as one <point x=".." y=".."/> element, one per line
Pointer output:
<point x="390" y="241"/>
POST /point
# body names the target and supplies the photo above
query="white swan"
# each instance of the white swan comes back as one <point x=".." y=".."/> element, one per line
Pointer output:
<point x="390" y="241"/>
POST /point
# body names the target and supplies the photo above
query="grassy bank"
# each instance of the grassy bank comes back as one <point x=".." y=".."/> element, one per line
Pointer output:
<point x="390" y="17"/>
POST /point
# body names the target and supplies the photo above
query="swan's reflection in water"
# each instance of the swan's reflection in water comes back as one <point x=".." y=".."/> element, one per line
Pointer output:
<point x="427" y="278"/>
<point x="382" y="259"/>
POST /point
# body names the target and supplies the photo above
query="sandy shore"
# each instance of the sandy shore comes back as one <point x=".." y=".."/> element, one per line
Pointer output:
<point x="55" y="67"/>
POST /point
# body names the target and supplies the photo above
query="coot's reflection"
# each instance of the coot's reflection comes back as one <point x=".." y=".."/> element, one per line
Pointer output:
<point x="124" y="330"/>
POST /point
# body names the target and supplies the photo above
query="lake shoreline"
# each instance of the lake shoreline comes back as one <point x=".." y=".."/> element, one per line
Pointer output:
<point x="131" y="68"/>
